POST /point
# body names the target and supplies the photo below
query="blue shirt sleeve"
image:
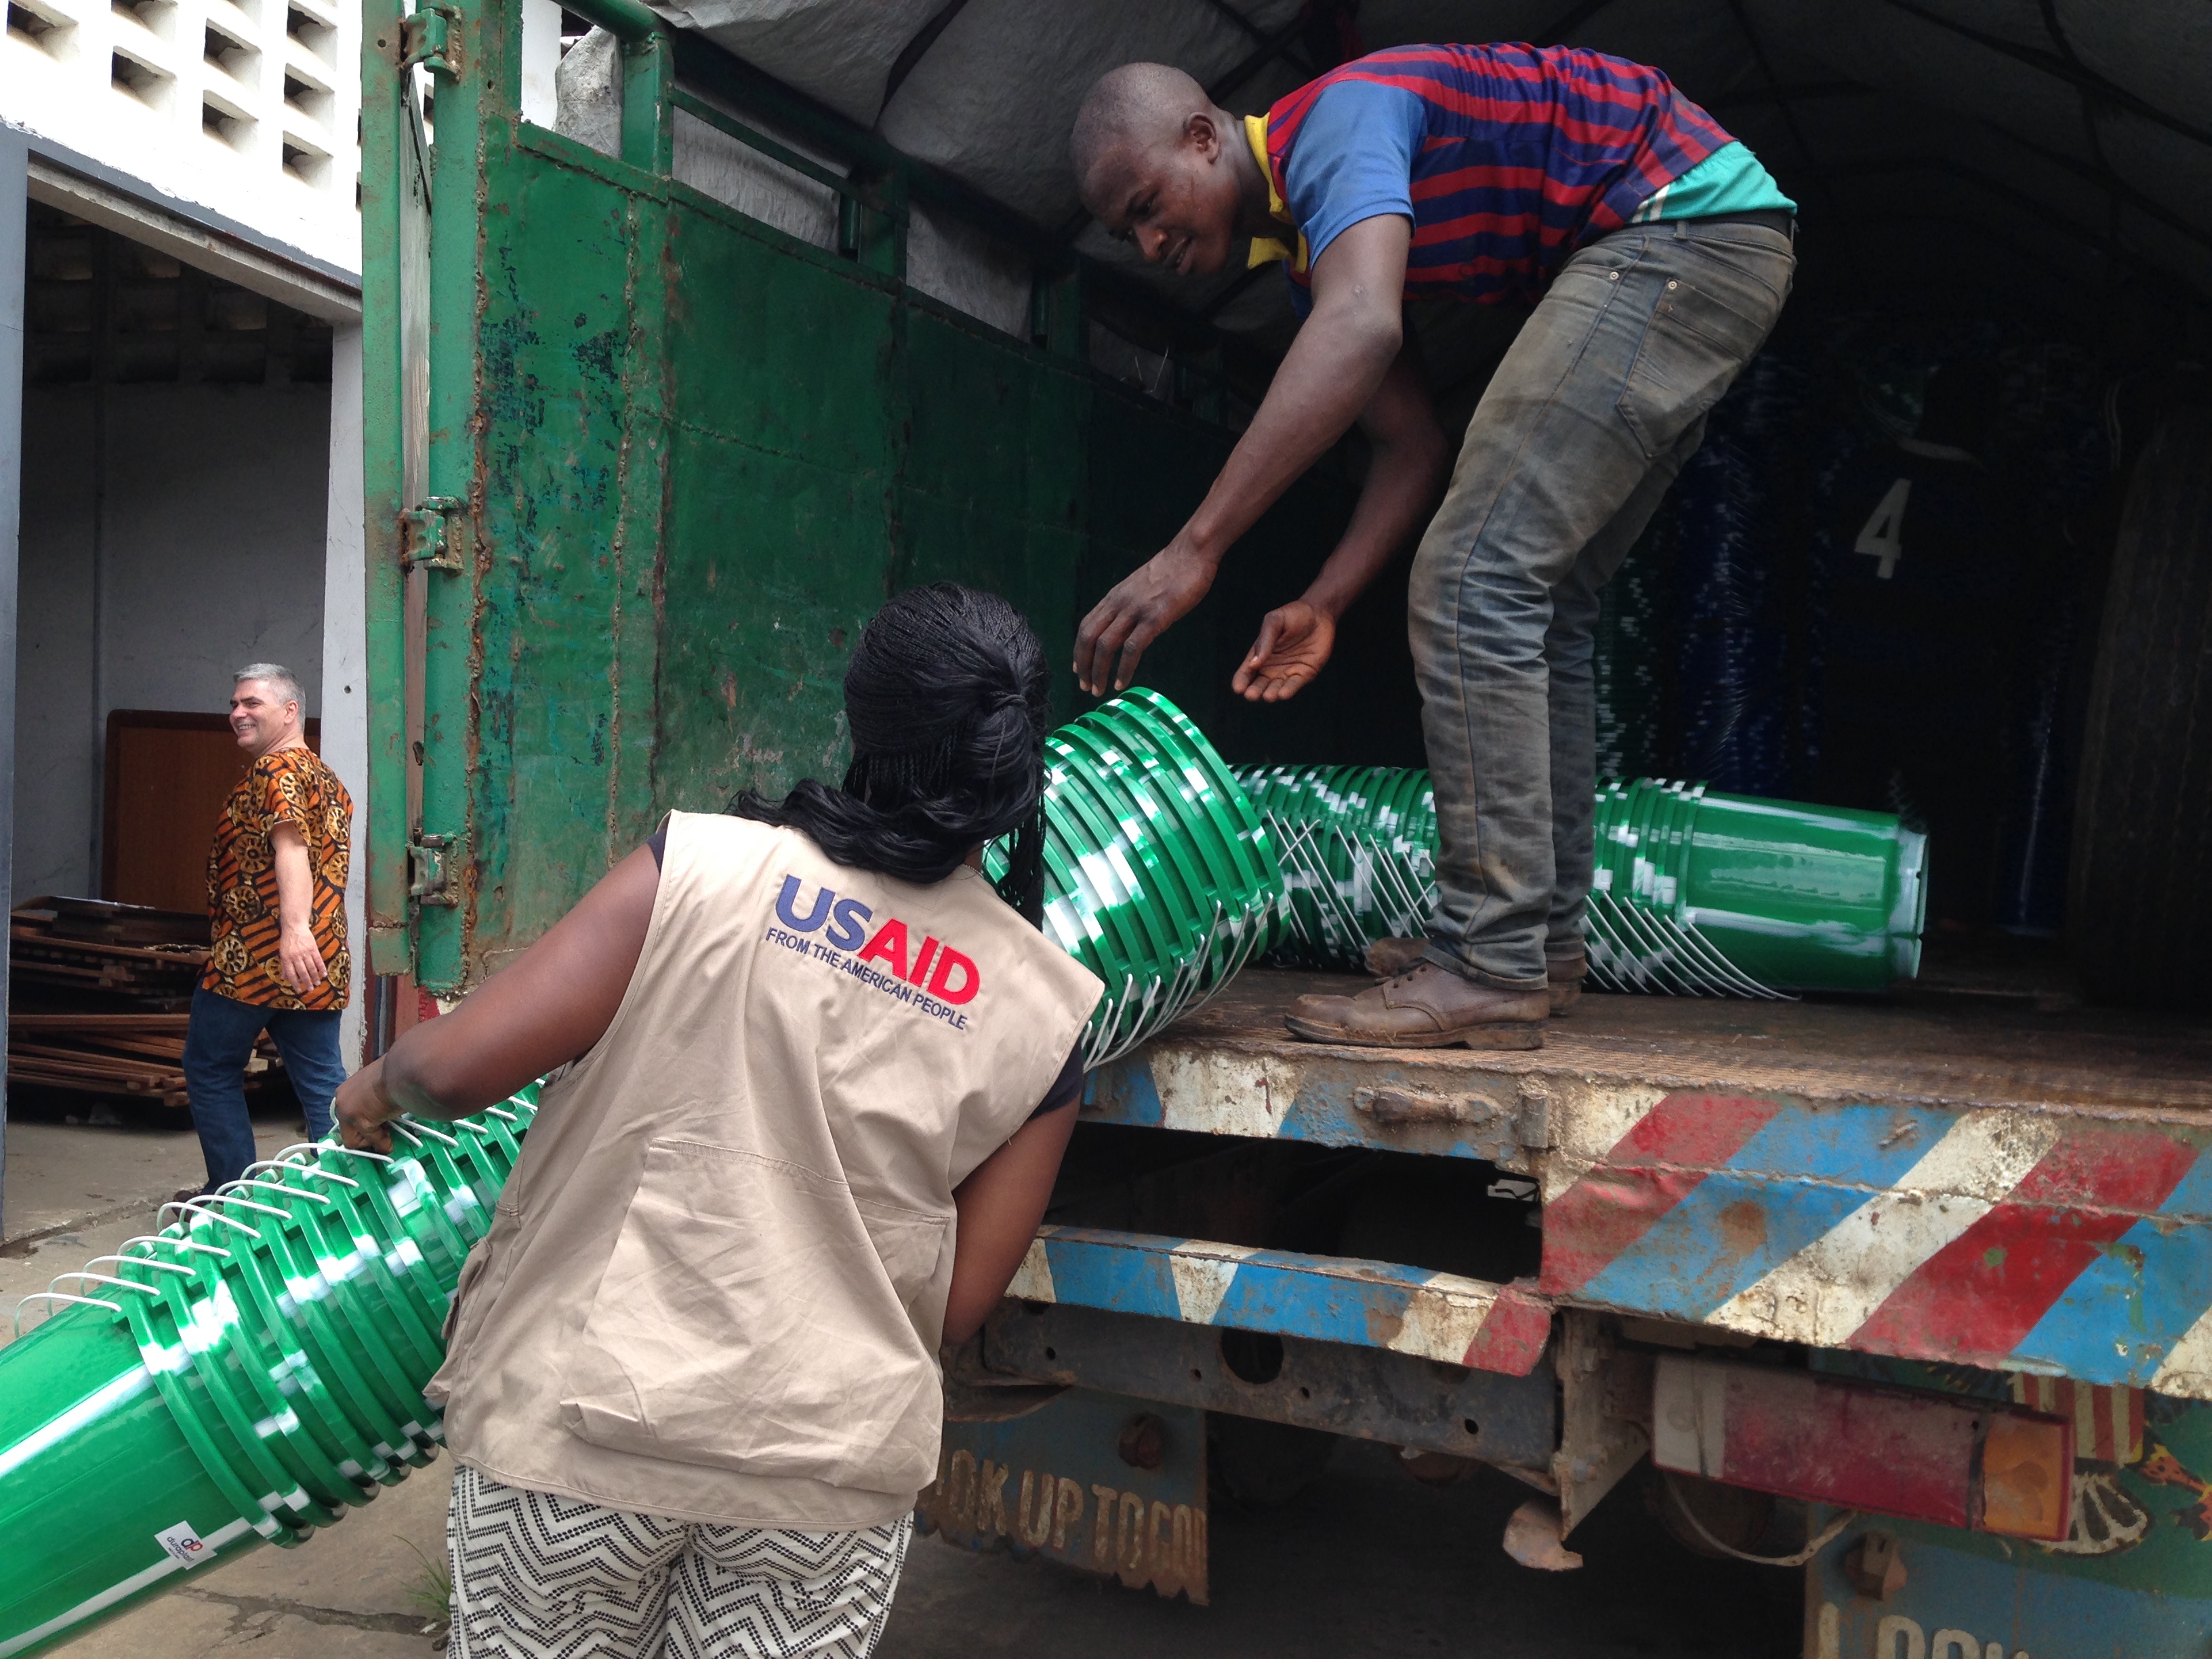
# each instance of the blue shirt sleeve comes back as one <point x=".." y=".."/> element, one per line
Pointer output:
<point x="1354" y="160"/>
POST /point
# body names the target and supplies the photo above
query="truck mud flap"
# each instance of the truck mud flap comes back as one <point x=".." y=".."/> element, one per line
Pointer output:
<point x="1960" y="1601"/>
<point x="1096" y="1481"/>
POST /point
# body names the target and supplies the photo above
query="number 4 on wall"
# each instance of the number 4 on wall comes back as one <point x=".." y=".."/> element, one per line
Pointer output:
<point x="1882" y="536"/>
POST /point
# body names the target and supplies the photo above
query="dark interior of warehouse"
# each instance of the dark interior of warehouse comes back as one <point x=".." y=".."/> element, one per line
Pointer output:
<point x="1937" y="557"/>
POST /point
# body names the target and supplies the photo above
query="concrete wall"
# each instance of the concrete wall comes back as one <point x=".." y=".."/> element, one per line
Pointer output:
<point x="170" y="534"/>
<point x="264" y="135"/>
<point x="345" y="655"/>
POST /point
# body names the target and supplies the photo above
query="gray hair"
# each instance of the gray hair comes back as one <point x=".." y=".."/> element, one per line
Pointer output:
<point x="287" y="683"/>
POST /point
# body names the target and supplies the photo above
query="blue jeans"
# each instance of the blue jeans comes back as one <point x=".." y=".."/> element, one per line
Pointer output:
<point x="217" y="1045"/>
<point x="1588" y="419"/>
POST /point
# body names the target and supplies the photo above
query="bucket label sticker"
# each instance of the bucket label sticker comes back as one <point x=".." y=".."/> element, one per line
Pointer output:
<point x="185" y="1545"/>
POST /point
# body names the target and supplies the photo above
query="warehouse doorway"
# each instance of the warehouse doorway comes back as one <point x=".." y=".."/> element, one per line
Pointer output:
<point x="172" y="527"/>
<point x="179" y="464"/>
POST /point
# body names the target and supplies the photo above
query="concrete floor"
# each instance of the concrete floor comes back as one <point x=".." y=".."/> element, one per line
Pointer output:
<point x="1365" y="1564"/>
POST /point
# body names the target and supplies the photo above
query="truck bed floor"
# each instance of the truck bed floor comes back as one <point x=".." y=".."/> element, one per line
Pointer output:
<point x="1931" y="1044"/>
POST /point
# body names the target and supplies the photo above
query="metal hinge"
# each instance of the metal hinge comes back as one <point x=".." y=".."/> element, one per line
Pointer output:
<point x="391" y="950"/>
<point x="1395" y="1106"/>
<point x="1533" y="1125"/>
<point x="429" y="873"/>
<point x="424" y="38"/>
<point x="435" y="534"/>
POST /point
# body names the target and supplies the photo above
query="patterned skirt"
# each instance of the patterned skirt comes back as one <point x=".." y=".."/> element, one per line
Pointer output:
<point x="536" y="1576"/>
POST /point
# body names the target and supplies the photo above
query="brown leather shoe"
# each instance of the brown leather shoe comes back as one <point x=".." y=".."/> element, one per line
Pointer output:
<point x="1563" y="977"/>
<point x="1430" y="1007"/>
<point x="1387" y="958"/>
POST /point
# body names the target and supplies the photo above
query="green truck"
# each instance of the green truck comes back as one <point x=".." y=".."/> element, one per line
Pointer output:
<point x="1934" y="1274"/>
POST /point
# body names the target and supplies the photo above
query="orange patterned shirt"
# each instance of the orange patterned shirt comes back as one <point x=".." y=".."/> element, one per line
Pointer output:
<point x="289" y="786"/>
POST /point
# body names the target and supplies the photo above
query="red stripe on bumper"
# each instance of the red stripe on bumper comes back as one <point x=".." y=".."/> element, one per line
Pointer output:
<point x="1513" y="1334"/>
<point x="1653" y="1168"/>
<point x="1980" y="1295"/>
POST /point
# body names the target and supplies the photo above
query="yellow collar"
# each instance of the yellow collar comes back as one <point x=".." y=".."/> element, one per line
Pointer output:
<point x="1267" y="248"/>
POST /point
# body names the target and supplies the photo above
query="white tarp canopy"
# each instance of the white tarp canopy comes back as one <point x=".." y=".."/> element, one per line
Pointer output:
<point x="2048" y="153"/>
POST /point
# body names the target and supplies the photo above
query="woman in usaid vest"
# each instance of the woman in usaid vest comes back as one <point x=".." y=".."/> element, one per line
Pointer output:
<point x="795" y="1143"/>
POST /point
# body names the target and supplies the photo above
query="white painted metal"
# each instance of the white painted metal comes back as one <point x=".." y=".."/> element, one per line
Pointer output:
<point x="345" y="656"/>
<point x="1830" y="1288"/>
<point x="14" y="208"/>
<point x="541" y="61"/>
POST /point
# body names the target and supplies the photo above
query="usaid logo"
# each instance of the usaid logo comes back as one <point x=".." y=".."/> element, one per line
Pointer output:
<point x="932" y="965"/>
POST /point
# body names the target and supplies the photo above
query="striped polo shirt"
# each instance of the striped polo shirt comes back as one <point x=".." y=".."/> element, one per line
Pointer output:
<point x="1506" y="158"/>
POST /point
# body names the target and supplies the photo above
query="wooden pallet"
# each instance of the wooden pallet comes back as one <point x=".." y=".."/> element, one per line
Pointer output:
<point x="94" y="949"/>
<point x="110" y="986"/>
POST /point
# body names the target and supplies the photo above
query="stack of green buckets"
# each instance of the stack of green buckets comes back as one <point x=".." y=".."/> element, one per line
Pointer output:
<point x="1358" y="851"/>
<point x="247" y="1373"/>
<point x="1694" y="893"/>
<point x="1160" y="877"/>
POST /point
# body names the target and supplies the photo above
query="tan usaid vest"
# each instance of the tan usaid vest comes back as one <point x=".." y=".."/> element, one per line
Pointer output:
<point x="715" y="1283"/>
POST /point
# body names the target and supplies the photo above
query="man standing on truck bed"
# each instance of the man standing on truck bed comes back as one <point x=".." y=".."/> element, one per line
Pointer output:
<point x="1657" y="253"/>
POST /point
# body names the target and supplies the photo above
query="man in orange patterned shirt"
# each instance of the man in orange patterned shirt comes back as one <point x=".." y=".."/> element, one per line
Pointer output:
<point x="276" y="882"/>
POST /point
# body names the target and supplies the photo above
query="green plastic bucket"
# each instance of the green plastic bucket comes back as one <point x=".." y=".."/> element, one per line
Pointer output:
<point x="1357" y="845"/>
<point x="1161" y="875"/>
<point x="1691" y="892"/>
<point x="1807" y="897"/>
<point x="93" y="1472"/>
<point x="249" y="1373"/>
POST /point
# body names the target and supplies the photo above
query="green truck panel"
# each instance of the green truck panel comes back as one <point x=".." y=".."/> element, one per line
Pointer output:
<point x="698" y="453"/>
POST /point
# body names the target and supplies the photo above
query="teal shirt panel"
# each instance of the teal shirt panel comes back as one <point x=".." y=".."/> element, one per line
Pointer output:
<point x="1729" y="180"/>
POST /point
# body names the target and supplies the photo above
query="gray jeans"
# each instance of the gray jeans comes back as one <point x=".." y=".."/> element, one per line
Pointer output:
<point x="1589" y="418"/>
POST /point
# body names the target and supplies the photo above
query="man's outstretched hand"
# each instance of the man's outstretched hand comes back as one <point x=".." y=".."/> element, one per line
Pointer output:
<point x="1294" y="642"/>
<point x="1143" y="606"/>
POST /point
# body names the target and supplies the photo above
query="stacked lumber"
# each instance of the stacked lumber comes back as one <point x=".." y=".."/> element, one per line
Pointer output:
<point x="151" y="958"/>
<point x="100" y="1054"/>
<point x="137" y="1054"/>
<point x="99" y="1001"/>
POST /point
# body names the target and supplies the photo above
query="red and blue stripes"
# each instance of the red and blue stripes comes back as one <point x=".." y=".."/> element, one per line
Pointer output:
<point x="2002" y="1238"/>
<point x="2009" y="1235"/>
<point x="1370" y="1304"/>
<point x="1526" y="154"/>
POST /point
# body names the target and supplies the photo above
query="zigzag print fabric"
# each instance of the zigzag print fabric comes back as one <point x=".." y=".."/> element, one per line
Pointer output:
<point x="539" y="1576"/>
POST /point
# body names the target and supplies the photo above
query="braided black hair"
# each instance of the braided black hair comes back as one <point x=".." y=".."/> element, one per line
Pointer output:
<point x="946" y="701"/>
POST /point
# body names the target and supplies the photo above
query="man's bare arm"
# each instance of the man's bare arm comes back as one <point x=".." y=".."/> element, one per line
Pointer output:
<point x="298" y="957"/>
<point x="550" y="1005"/>
<point x="1331" y="374"/>
<point x="1408" y="457"/>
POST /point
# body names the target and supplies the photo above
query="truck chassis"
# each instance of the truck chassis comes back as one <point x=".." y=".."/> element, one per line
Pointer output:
<point x="1968" y="1214"/>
